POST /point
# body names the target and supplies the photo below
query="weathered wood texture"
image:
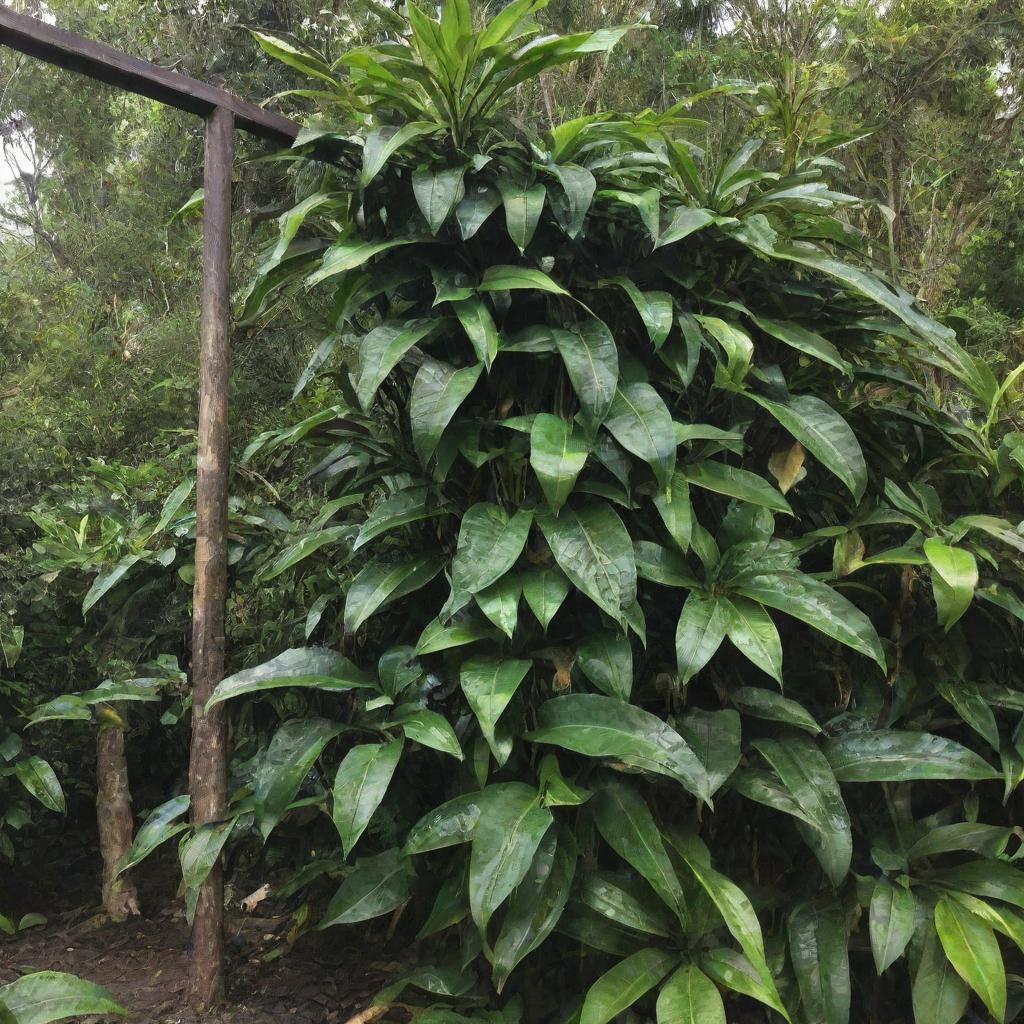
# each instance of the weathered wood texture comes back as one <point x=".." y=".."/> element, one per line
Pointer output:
<point x="208" y="763"/>
<point x="104" y="63"/>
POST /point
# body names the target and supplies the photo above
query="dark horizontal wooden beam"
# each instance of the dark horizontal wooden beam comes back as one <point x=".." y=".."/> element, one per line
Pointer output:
<point x="105" y="64"/>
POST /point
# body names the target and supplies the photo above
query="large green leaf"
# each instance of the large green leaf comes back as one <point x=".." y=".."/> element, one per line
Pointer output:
<point x="523" y="207"/>
<point x="620" y="987"/>
<point x="302" y="549"/>
<point x="199" y="851"/>
<point x="537" y="902"/>
<point x="578" y="186"/>
<point x="640" y="421"/>
<point x="817" y="947"/>
<point x="379" y="583"/>
<point x="159" y="826"/>
<point x="383" y="142"/>
<point x="890" y="922"/>
<point x="449" y="824"/>
<point x="500" y="602"/>
<point x="349" y="254"/>
<point x="430" y="729"/>
<point x="735" y="483"/>
<point x="715" y="739"/>
<point x="359" y="786"/>
<point x="890" y="755"/>
<point x="806" y="774"/>
<point x="591" y="359"/>
<point x="772" y="706"/>
<point x="489" y="684"/>
<point x="41" y="781"/>
<point x="593" y="548"/>
<point x="690" y="997"/>
<point x="545" y="591"/>
<point x="627" y="901"/>
<point x="317" y="667"/>
<point x="825" y="434"/>
<point x="479" y="326"/>
<point x="655" y="309"/>
<point x="954" y="577"/>
<point x="511" y="826"/>
<point x="382" y="349"/>
<point x="377" y="886"/>
<point x="699" y="632"/>
<point x="753" y="633"/>
<point x="817" y="604"/>
<point x="557" y="455"/>
<point x="599" y="726"/>
<point x="46" y="996"/>
<point x="675" y="510"/>
<point x="606" y="659"/>
<point x="685" y="221"/>
<point x="437" y="193"/>
<point x="972" y="949"/>
<point x="740" y="919"/>
<point x="939" y="995"/>
<point x="803" y="340"/>
<point x="398" y="509"/>
<point x="437" y="392"/>
<point x="509" y="278"/>
<point x="287" y="760"/>
<point x="626" y="823"/>
<point x="490" y="542"/>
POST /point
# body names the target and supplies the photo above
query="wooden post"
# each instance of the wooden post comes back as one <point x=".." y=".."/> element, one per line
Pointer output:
<point x="208" y="762"/>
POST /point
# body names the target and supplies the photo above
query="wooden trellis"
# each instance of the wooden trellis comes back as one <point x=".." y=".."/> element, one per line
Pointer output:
<point x="223" y="113"/>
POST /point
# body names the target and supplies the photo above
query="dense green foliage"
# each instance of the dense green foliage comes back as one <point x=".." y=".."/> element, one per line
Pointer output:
<point x="672" y="554"/>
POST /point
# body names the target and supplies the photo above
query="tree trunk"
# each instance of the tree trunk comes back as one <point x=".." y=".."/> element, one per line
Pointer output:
<point x="208" y="780"/>
<point x="115" y="821"/>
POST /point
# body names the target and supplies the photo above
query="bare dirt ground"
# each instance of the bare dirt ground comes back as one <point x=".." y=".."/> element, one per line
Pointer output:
<point x="322" y="978"/>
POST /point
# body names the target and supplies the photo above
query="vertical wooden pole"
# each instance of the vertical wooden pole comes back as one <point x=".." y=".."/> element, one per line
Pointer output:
<point x="208" y="762"/>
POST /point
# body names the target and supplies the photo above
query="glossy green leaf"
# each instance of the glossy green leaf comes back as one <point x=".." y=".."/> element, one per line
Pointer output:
<point x="740" y="919"/>
<point x="773" y="707"/>
<point x="500" y="602"/>
<point x="699" y="633"/>
<point x="287" y="760"/>
<point x="383" y="142"/>
<point x="510" y="829"/>
<point x="436" y="636"/>
<point x="655" y="309"/>
<point x="591" y="359"/>
<point x="522" y="211"/>
<point x="939" y="995"/>
<point x="159" y="826"/>
<point x="662" y="565"/>
<point x="806" y="774"/>
<point x="41" y="781"/>
<point x="578" y="186"/>
<point x="890" y="922"/>
<point x="736" y="483"/>
<point x="954" y="577"/>
<point x="479" y="326"/>
<point x="640" y="421"/>
<point x="599" y="726"/>
<point x="490" y="543"/>
<point x="628" y="827"/>
<point x="449" y="824"/>
<point x="478" y="204"/>
<point x="626" y="900"/>
<point x="536" y="904"/>
<point x="817" y="948"/>
<point x="317" y="667"/>
<point x="301" y="550"/>
<point x="430" y="729"/>
<point x="676" y="512"/>
<point x="437" y="392"/>
<point x="545" y="591"/>
<point x="752" y="632"/>
<point x="200" y="851"/>
<point x="46" y="996"/>
<point x="803" y="340"/>
<point x="684" y="222"/>
<point x="395" y="510"/>
<point x="825" y="434"/>
<point x="107" y="580"/>
<point x="510" y="278"/>
<point x="715" y="739"/>
<point x="620" y="987"/>
<point x="359" y="786"/>
<point x="377" y="885"/>
<point x="972" y="949"/>
<point x="690" y="997"/>
<point x="381" y="350"/>
<point x="348" y="254"/>
<point x="593" y="548"/>
<point x="489" y="684"/>
<point x="437" y="193"/>
<point x="606" y="659"/>
<point x="817" y="604"/>
<point x="557" y="455"/>
<point x="380" y="583"/>
<point x="890" y="755"/>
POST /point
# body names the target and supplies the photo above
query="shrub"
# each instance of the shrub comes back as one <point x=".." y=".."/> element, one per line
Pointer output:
<point x="634" y="446"/>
